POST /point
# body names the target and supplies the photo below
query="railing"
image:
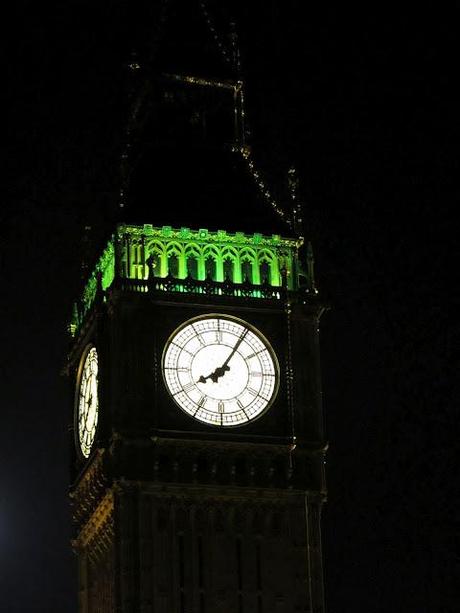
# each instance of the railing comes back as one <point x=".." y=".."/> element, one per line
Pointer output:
<point x="170" y="284"/>
<point x="108" y="274"/>
<point x="208" y="287"/>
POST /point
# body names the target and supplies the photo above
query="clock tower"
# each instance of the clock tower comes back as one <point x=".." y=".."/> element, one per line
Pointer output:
<point x="197" y="433"/>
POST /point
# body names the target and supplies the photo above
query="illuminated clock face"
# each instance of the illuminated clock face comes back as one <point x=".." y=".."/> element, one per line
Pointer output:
<point x="220" y="370"/>
<point x="88" y="402"/>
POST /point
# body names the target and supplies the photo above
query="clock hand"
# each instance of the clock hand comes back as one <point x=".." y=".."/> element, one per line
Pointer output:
<point x="214" y="376"/>
<point x="225" y="366"/>
<point x="88" y="407"/>
<point x="221" y="370"/>
<point x="92" y="397"/>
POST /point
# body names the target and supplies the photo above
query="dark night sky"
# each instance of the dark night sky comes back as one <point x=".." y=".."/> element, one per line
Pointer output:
<point x="363" y="104"/>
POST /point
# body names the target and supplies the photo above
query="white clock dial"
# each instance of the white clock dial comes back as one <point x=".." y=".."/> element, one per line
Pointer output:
<point x="88" y="402"/>
<point x="220" y="370"/>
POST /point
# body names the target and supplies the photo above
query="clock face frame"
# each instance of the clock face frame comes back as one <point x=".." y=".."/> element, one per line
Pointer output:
<point x="220" y="370"/>
<point x="87" y="401"/>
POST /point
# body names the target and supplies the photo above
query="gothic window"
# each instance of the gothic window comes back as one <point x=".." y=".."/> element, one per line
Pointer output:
<point x="192" y="260"/>
<point x="210" y="267"/>
<point x="173" y="265"/>
<point x="154" y="264"/>
<point x="248" y="260"/>
<point x="212" y="256"/>
<point x="156" y="257"/>
<point x="265" y="272"/>
<point x="229" y="267"/>
<point x="267" y="266"/>
<point x="136" y="268"/>
<point x="246" y="271"/>
<point x="192" y="267"/>
<point x="175" y="257"/>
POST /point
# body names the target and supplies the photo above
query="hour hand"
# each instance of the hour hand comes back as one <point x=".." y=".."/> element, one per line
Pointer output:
<point x="214" y="376"/>
<point x="219" y="372"/>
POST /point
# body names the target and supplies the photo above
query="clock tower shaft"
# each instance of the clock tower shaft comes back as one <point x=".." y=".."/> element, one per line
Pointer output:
<point x="172" y="514"/>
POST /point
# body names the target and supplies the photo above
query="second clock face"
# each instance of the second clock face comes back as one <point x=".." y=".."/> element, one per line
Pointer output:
<point x="87" y="402"/>
<point x="220" y="370"/>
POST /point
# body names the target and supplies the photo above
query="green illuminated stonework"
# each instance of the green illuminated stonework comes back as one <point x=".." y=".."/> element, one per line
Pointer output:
<point x="103" y="276"/>
<point x="148" y="259"/>
<point x="201" y="254"/>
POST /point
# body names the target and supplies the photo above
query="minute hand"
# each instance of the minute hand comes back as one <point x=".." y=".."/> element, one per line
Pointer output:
<point x="238" y="343"/>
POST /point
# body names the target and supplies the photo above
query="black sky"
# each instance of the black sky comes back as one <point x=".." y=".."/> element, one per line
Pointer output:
<point x="363" y="103"/>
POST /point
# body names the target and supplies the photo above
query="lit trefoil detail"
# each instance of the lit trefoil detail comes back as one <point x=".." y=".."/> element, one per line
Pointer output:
<point x="220" y="371"/>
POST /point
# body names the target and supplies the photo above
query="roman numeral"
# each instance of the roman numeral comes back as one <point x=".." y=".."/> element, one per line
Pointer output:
<point x="220" y="407"/>
<point x="181" y="348"/>
<point x="188" y="387"/>
<point x="199" y="337"/>
<point x="241" y="406"/>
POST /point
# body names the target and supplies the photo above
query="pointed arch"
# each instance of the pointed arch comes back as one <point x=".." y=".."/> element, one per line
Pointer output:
<point x="231" y="264"/>
<point x="194" y="261"/>
<point x="176" y="259"/>
<point x="156" y="254"/>
<point x="212" y="256"/>
<point x="248" y="265"/>
<point x="268" y="267"/>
